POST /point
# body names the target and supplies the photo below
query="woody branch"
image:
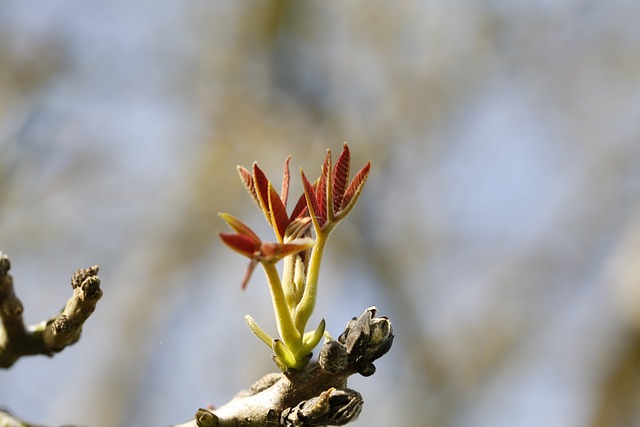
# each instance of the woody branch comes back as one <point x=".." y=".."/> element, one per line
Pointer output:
<point x="49" y="336"/>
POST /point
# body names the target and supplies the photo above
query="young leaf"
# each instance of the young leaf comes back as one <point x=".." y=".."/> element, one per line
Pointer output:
<point x="262" y="190"/>
<point x="247" y="181"/>
<point x="312" y="202"/>
<point x="286" y="177"/>
<point x="283" y="354"/>
<point x="241" y="243"/>
<point x="297" y="228"/>
<point x="321" y="188"/>
<point x="341" y="172"/>
<point x="354" y="190"/>
<point x="311" y="339"/>
<point x="299" y="209"/>
<point x="275" y="251"/>
<point x="248" y="272"/>
<point x="239" y="226"/>
<point x="329" y="212"/>
<point x="278" y="213"/>
<point x="258" y="331"/>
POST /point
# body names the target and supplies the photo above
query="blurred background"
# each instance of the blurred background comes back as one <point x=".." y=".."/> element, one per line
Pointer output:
<point x="499" y="229"/>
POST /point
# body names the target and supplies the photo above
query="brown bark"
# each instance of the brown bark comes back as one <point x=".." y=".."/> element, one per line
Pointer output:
<point x="50" y="336"/>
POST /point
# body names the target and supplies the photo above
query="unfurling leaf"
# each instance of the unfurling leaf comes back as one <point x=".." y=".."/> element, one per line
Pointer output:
<point x="312" y="202"/>
<point x="299" y="209"/>
<point x="354" y="190"/>
<point x="321" y="188"/>
<point x="286" y="177"/>
<point x="240" y="243"/>
<point x="311" y="339"/>
<point x="239" y="226"/>
<point x="283" y="354"/>
<point x="262" y="190"/>
<point x="258" y="331"/>
<point x="270" y="252"/>
<point x="278" y="213"/>
<point x="247" y="181"/>
<point x="341" y="172"/>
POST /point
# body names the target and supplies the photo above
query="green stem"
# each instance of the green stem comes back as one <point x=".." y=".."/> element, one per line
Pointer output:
<point x="288" y="283"/>
<point x="286" y="328"/>
<point x="308" y="300"/>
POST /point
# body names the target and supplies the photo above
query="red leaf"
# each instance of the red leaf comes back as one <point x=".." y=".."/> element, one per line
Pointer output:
<point x="341" y="172"/>
<point x="355" y="187"/>
<point x="262" y="189"/>
<point x="240" y="243"/>
<point x="286" y="177"/>
<point x="299" y="209"/>
<point x="247" y="181"/>
<point x="279" y="217"/>
<point x="321" y="189"/>
<point x="248" y="273"/>
<point x="276" y="251"/>
<point x="240" y="227"/>
<point x="312" y="201"/>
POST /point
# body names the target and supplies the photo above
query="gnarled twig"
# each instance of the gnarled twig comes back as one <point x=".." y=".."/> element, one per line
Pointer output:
<point x="8" y="420"/>
<point x="47" y="337"/>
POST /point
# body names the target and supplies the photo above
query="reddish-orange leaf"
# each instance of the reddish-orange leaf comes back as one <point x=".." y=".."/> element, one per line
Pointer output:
<point x="312" y="201"/>
<point x="247" y="181"/>
<point x="286" y="177"/>
<point x="321" y="188"/>
<point x="275" y="251"/>
<point x="341" y="172"/>
<point x="248" y="273"/>
<point x="240" y="243"/>
<point x="269" y="250"/>
<point x="279" y="217"/>
<point x="299" y="209"/>
<point x="240" y="227"/>
<point x="262" y="189"/>
<point x="355" y="187"/>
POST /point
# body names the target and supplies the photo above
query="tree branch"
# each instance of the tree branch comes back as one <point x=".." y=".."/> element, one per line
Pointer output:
<point x="8" y="420"/>
<point x="47" y="337"/>
<point x="315" y="396"/>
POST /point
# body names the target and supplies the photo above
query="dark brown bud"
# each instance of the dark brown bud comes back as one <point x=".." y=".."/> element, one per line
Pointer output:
<point x="366" y="339"/>
<point x="333" y="356"/>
